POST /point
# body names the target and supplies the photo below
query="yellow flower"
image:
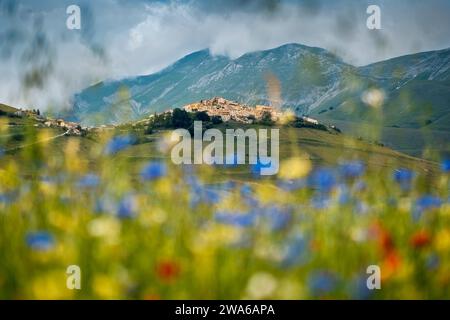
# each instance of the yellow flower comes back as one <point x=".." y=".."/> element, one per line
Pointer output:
<point x="286" y="117"/>
<point x="294" y="168"/>
<point x="51" y="286"/>
<point x="442" y="240"/>
<point x="105" y="227"/>
<point x="106" y="287"/>
<point x="215" y="236"/>
<point x="373" y="98"/>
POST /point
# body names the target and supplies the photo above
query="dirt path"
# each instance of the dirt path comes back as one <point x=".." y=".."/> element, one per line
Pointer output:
<point x="39" y="141"/>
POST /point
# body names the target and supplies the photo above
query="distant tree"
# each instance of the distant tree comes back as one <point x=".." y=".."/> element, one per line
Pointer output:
<point x="181" y="119"/>
<point x="266" y="119"/>
<point x="216" y="119"/>
<point x="202" y="116"/>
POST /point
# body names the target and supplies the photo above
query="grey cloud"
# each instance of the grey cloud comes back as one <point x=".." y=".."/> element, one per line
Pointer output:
<point x="46" y="63"/>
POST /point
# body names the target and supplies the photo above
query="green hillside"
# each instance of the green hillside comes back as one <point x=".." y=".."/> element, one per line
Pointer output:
<point x="321" y="148"/>
<point x="7" y="109"/>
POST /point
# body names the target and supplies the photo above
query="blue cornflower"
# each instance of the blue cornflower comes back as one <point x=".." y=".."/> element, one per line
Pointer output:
<point x="118" y="143"/>
<point x="154" y="170"/>
<point x="89" y="181"/>
<point x="278" y="217"/>
<point x="127" y="207"/>
<point x="404" y="178"/>
<point x="40" y="240"/>
<point x="323" y="179"/>
<point x="445" y="165"/>
<point x="424" y="203"/>
<point x="321" y="283"/>
<point x="211" y="196"/>
<point x="204" y="194"/>
<point x="295" y="252"/>
<point x="236" y="219"/>
<point x="359" y="289"/>
<point x="352" y="169"/>
<point x="2" y="152"/>
<point x="428" y="201"/>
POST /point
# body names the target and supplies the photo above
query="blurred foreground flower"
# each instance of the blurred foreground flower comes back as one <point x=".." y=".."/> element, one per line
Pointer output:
<point x="261" y="285"/>
<point x="323" y="179"/>
<point x="373" y="97"/>
<point x="236" y="219"/>
<point x="359" y="290"/>
<point x="425" y="203"/>
<point x="118" y="143"/>
<point x="89" y="181"/>
<point x="352" y="169"/>
<point x="420" y="239"/>
<point x="40" y="240"/>
<point x="295" y="168"/>
<point x="445" y="165"/>
<point x="404" y="178"/>
<point x="168" y="270"/>
<point x="296" y="252"/>
<point x="127" y="207"/>
<point x="154" y="170"/>
<point x="321" y="283"/>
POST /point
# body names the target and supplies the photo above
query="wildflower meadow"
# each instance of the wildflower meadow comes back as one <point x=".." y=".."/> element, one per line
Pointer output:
<point x="140" y="227"/>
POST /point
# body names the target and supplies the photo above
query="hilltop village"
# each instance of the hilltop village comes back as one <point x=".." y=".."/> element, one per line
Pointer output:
<point x="217" y="107"/>
<point x="230" y="110"/>
<point x="70" y="128"/>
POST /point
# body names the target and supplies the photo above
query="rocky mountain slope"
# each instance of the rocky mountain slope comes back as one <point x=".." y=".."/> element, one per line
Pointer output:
<point x="415" y="88"/>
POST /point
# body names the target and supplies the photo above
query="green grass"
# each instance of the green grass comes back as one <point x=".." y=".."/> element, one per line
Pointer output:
<point x="427" y="142"/>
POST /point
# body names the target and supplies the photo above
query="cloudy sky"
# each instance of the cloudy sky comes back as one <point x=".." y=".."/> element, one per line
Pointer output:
<point x="42" y="63"/>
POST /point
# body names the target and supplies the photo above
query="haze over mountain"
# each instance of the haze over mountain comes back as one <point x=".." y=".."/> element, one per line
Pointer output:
<point x="415" y="88"/>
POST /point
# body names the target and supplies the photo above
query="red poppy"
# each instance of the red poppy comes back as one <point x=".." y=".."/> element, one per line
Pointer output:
<point x="391" y="263"/>
<point x="383" y="237"/>
<point x="168" y="270"/>
<point x="420" y="239"/>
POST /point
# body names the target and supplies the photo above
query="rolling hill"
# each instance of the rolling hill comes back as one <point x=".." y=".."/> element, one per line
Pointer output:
<point x="415" y="89"/>
<point x="321" y="147"/>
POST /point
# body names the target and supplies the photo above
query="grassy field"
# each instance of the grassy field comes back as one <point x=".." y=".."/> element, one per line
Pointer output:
<point x="140" y="227"/>
<point x="426" y="142"/>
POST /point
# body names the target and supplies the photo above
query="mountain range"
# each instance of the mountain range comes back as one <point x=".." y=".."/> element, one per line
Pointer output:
<point x="415" y="88"/>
